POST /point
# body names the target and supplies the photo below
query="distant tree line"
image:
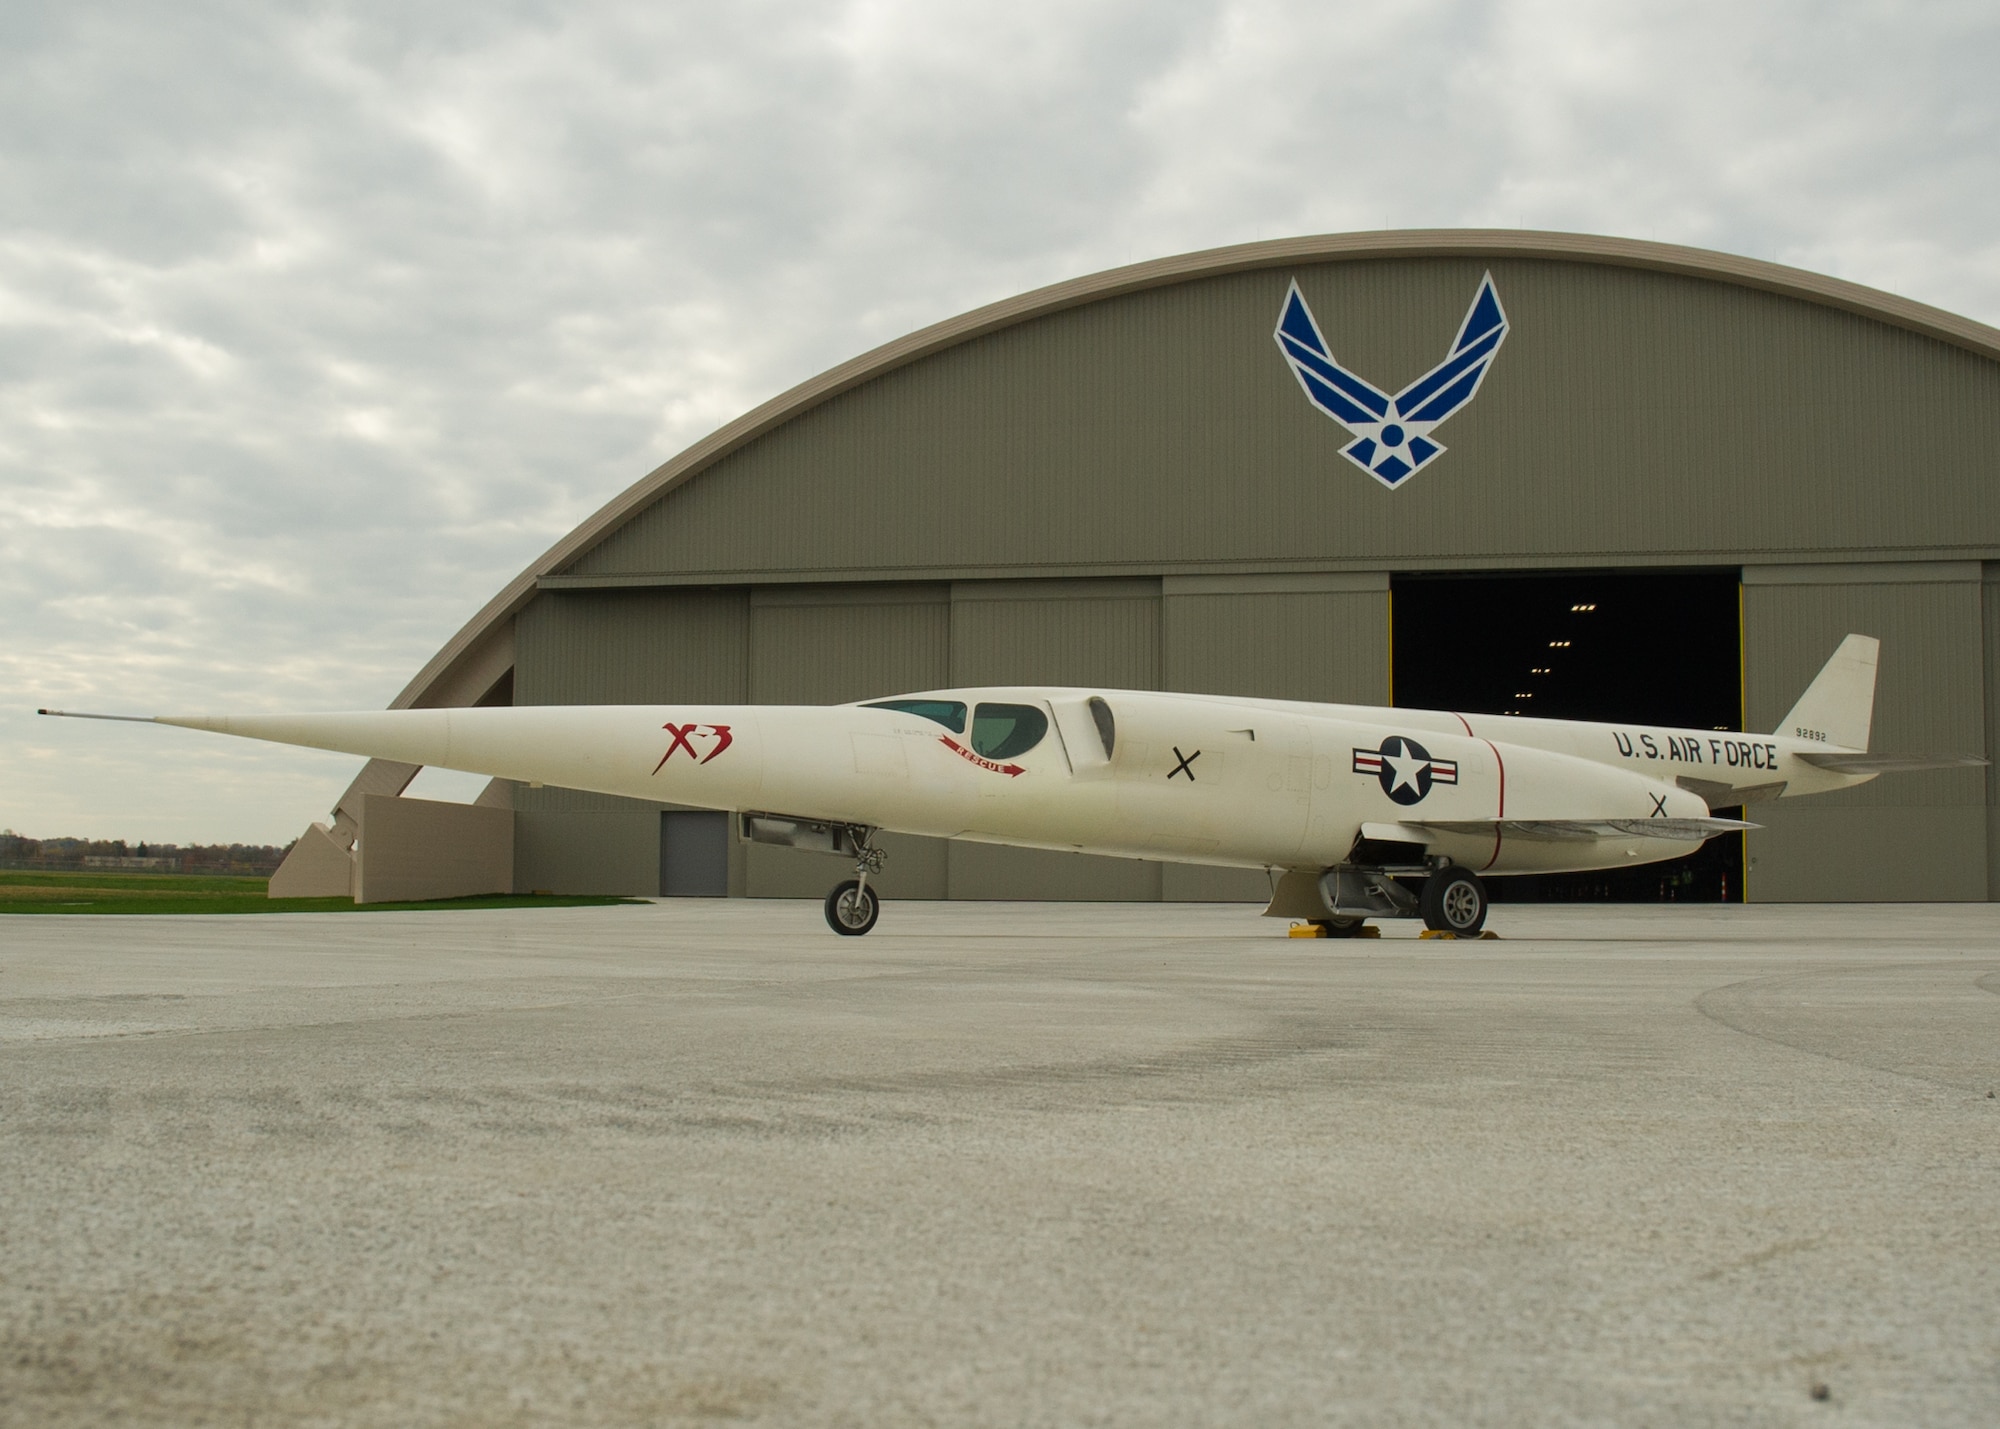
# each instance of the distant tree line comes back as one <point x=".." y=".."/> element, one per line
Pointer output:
<point x="18" y="851"/>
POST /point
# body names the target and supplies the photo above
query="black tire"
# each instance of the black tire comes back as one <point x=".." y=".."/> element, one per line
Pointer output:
<point x="1454" y="901"/>
<point x="840" y="909"/>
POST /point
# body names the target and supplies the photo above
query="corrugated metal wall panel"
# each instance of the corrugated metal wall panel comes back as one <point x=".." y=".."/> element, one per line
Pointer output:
<point x="820" y="645"/>
<point x="568" y="841"/>
<point x="1989" y="592"/>
<point x="989" y="871"/>
<point x="1325" y="645"/>
<point x="1104" y="633"/>
<point x="1900" y="837"/>
<point x="1631" y="415"/>
<point x="633" y="647"/>
<point x="1194" y="883"/>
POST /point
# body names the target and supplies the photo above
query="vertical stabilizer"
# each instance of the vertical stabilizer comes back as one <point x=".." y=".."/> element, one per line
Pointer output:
<point x="1839" y="704"/>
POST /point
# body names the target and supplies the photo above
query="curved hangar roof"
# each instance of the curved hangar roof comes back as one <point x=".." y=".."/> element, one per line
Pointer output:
<point x="1651" y="404"/>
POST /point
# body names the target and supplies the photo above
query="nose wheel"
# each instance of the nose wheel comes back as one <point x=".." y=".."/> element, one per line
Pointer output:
<point x="852" y="907"/>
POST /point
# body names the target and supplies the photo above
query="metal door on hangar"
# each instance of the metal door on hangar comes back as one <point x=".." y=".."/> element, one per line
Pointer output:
<point x="1651" y="647"/>
<point x="694" y="854"/>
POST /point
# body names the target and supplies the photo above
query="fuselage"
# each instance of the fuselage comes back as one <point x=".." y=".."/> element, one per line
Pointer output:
<point x="1144" y="774"/>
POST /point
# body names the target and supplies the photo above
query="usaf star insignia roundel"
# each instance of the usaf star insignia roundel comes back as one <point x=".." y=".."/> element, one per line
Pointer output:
<point x="1405" y="768"/>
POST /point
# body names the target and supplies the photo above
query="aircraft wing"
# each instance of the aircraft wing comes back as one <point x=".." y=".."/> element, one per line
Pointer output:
<point x="1840" y="763"/>
<point x="1587" y="830"/>
<point x="1718" y="795"/>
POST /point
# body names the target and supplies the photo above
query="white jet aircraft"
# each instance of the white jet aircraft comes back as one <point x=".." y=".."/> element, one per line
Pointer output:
<point x="1360" y="811"/>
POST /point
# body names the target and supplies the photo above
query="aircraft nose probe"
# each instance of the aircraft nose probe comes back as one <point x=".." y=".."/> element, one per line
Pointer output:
<point x="79" y="714"/>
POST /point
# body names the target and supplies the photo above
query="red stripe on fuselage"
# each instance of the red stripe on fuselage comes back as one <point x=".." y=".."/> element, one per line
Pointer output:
<point x="1501" y="764"/>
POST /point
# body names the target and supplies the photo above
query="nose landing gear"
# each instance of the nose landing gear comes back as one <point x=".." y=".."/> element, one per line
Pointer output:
<point x="852" y="906"/>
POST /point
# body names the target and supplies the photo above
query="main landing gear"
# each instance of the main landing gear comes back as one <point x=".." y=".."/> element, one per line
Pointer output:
<point x="1338" y="903"/>
<point x="852" y="907"/>
<point x="1453" y="901"/>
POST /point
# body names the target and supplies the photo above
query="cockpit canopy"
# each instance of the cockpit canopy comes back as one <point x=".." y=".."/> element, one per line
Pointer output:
<point x="949" y="713"/>
<point x="999" y="731"/>
<point x="1003" y="731"/>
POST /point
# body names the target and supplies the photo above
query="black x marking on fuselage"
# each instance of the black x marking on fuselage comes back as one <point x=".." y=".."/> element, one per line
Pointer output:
<point x="1659" y="806"/>
<point x="1185" y="761"/>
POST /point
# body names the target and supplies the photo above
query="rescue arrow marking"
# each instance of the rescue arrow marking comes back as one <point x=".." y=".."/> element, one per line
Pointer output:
<point x="1010" y="770"/>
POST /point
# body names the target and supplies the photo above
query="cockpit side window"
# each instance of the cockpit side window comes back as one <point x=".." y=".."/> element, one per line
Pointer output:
<point x="1003" y="731"/>
<point x="949" y="713"/>
<point x="1107" y="727"/>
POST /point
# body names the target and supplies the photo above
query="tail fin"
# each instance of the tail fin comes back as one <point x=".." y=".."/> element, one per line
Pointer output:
<point x="1839" y="704"/>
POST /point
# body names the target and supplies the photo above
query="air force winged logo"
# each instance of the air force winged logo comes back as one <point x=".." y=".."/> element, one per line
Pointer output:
<point x="1392" y="435"/>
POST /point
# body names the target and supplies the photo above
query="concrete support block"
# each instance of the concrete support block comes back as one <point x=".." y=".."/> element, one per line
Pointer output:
<point x="415" y="849"/>
<point x="317" y="867"/>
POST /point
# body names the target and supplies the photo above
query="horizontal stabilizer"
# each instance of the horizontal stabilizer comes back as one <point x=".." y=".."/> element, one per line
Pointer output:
<point x="1841" y="763"/>
<point x="1587" y="830"/>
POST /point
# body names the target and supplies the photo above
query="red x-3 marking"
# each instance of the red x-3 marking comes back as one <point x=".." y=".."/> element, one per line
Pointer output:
<point x="1010" y="770"/>
<point x="685" y="734"/>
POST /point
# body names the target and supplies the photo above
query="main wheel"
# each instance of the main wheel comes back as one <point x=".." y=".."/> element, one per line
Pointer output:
<point x="1454" y="901"/>
<point x="851" y="909"/>
<point x="1341" y="927"/>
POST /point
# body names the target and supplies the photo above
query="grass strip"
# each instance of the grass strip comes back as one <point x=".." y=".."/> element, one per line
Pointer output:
<point x="11" y="879"/>
<point x="108" y="893"/>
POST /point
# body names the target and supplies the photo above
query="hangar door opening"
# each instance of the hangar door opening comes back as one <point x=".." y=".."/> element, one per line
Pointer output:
<point x="1658" y="647"/>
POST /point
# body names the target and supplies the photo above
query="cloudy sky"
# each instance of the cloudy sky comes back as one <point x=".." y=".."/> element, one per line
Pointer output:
<point x="319" y="322"/>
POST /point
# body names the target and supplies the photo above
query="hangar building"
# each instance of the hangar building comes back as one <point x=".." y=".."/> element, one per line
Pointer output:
<point x="1685" y="477"/>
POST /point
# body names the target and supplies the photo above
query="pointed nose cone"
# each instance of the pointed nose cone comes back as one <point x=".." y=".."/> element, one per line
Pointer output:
<point x="408" y="736"/>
